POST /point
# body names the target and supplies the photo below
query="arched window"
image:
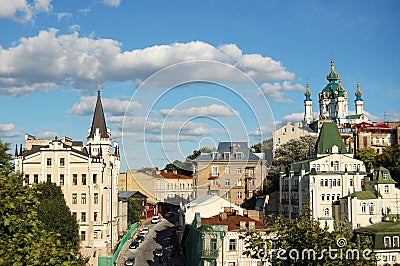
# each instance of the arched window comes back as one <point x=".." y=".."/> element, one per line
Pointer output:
<point x="326" y="211"/>
<point x="336" y="166"/>
<point x="371" y="207"/>
<point x="363" y="207"/>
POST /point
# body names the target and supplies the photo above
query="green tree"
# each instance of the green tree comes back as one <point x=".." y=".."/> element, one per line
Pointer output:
<point x="390" y="159"/>
<point x="306" y="234"/>
<point x="262" y="146"/>
<point x="134" y="211"/>
<point x="55" y="215"/>
<point x="196" y="153"/>
<point x="23" y="241"/>
<point x="368" y="156"/>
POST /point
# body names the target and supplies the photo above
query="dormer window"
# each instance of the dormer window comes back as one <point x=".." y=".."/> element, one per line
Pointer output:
<point x="226" y="155"/>
<point x="215" y="155"/>
<point x="385" y="175"/>
<point x="239" y="155"/>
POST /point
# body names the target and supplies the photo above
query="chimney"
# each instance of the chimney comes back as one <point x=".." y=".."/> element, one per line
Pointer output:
<point x="252" y="225"/>
<point x="242" y="225"/>
<point x="223" y="216"/>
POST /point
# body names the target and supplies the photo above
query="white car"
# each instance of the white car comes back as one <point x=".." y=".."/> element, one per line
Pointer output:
<point x="155" y="219"/>
<point x="144" y="231"/>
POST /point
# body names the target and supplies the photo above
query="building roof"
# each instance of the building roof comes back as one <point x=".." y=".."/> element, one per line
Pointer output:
<point x="364" y="195"/>
<point x="382" y="175"/>
<point x="233" y="148"/>
<point x="98" y="120"/>
<point x="381" y="228"/>
<point x="174" y="175"/>
<point x="125" y="195"/>
<point x="231" y="220"/>
<point x="329" y="137"/>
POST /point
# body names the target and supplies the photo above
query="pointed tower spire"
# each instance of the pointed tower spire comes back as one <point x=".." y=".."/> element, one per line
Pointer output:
<point x="359" y="102"/>
<point x="20" y="150"/>
<point x="308" y="105"/>
<point x="98" y="122"/>
<point x="16" y="150"/>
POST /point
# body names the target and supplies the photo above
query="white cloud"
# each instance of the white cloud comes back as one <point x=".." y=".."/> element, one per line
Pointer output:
<point x="7" y="131"/>
<point x="263" y="131"/>
<point x="50" y="60"/>
<point x="211" y="110"/>
<point x="114" y="3"/>
<point x="61" y="16"/>
<point x="45" y="134"/>
<point x="23" y="11"/>
<point x="277" y="90"/>
<point x="113" y="106"/>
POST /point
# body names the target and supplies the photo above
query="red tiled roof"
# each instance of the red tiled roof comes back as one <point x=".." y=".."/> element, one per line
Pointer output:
<point x="232" y="221"/>
<point x="175" y="176"/>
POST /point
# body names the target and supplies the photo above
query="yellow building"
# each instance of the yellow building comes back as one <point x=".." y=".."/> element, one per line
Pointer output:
<point x="88" y="176"/>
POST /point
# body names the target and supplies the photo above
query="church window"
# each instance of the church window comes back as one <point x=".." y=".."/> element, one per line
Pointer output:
<point x="363" y="207"/>
<point x="326" y="211"/>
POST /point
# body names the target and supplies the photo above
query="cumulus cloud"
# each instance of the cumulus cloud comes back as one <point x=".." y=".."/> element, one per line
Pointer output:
<point x="7" y="131"/>
<point x="49" y="60"/>
<point x="74" y="28"/>
<point x="23" y="11"/>
<point x="211" y="110"/>
<point x="61" y="16"/>
<point x="45" y="134"/>
<point x="276" y="91"/>
<point x="113" y="106"/>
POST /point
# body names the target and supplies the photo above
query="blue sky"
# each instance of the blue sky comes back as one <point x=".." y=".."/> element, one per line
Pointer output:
<point x="179" y="75"/>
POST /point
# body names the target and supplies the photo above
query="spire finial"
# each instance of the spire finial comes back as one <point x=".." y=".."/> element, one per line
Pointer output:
<point x="98" y="87"/>
<point x="358" y="92"/>
<point x="16" y="150"/>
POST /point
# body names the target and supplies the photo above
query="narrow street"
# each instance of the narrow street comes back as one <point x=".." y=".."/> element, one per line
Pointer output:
<point x="158" y="233"/>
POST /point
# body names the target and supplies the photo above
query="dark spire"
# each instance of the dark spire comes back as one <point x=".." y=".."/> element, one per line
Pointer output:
<point x="98" y="119"/>
<point x="16" y="150"/>
<point x="20" y="150"/>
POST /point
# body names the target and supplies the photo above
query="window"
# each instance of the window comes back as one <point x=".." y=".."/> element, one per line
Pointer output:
<point x="330" y="182"/>
<point x="36" y="179"/>
<point x="354" y="167"/>
<point x="336" y="166"/>
<point x="84" y="179"/>
<point x="326" y="211"/>
<point x="323" y="197"/>
<point x="328" y="197"/>
<point x="74" y="179"/>
<point x="214" y="171"/>
<point x="227" y="170"/>
<point x="252" y="181"/>
<point x="239" y="155"/>
<point x="48" y="161"/>
<point x="371" y="208"/>
<point x="226" y="155"/>
<point x="326" y="182"/>
<point x="213" y="244"/>
<point x="96" y="198"/>
<point x="83" y="235"/>
<point x="322" y="182"/>
<point x="386" y="189"/>
<point x="75" y="215"/>
<point x="228" y="195"/>
<point x="95" y="214"/>
<point x="239" y="170"/>
<point x="338" y="182"/>
<point x="239" y="195"/>
<point x="363" y="207"/>
<point x="386" y="242"/>
<point x="83" y="216"/>
<point x="239" y="182"/>
<point x="61" y="179"/>
<point x="351" y="182"/>
<point x="337" y="196"/>
<point x="334" y="182"/>
<point x="26" y="179"/>
<point x="48" y="178"/>
<point x="74" y="198"/>
<point x="318" y="168"/>
<point x="232" y="244"/>
<point x="62" y="161"/>
<point x="395" y="241"/>
<point x="250" y="193"/>
<point x="83" y="199"/>
<point x="94" y="178"/>
<point x="385" y="175"/>
<point x="227" y="182"/>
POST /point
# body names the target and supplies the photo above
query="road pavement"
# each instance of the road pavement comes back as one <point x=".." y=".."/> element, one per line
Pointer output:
<point x="156" y="237"/>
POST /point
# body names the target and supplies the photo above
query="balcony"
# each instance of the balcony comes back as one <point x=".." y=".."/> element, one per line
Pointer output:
<point x="209" y="254"/>
<point x="213" y="176"/>
<point x="214" y="187"/>
<point x="247" y="175"/>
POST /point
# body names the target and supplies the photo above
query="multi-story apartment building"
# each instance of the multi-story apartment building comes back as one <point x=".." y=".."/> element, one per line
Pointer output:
<point x="88" y="176"/>
<point x="232" y="172"/>
<point x="216" y="240"/>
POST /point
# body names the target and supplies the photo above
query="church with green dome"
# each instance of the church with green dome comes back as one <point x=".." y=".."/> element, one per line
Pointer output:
<point x="333" y="102"/>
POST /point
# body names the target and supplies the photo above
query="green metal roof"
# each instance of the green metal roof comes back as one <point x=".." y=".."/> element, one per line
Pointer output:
<point x="329" y="137"/>
<point x="378" y="176"/>
<point x="358" y="93"/>
<point x="308" y="93"/>
<point x="382" y="228"/>
<point x="332" y="74"/>
<point x="364" y="195"/>
<point x="356" y="116"/>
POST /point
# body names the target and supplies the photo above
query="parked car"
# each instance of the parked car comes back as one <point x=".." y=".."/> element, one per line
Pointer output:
<point x="158" y="252"/>
<point x="134" y="244"/>
<point x="130" y="261"/>
<point x="140" y="238"/>
<point x="145" y="231"/>
<point x="155" y="219"/>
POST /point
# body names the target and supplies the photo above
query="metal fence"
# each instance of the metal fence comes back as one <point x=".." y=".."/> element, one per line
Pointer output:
<point x="110" y="260"/>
